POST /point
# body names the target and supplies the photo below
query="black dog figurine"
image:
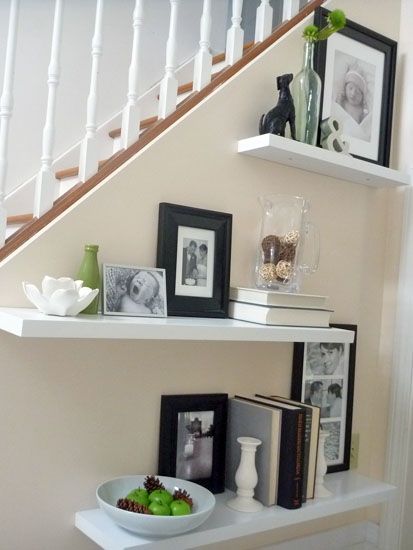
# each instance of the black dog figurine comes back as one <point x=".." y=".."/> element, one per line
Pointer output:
<point x="275" y="121"/>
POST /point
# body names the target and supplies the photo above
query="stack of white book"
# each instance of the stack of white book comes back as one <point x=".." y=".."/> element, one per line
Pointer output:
<point x="268" y="307"/>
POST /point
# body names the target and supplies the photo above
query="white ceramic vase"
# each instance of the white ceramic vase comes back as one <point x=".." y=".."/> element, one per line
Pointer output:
<point x="246" y="477"/>
<point x="320" y="491"/>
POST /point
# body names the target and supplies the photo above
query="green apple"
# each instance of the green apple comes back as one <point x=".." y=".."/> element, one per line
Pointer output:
<point x="139" y="495"/>
<point x="180" y="508"/>
<point x="159" y="509"/>
<point x="162" y="496"/>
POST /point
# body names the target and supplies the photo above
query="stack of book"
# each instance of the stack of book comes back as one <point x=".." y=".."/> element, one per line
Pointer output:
<point x="268" y="307"/>
<point x="286" y="460"/>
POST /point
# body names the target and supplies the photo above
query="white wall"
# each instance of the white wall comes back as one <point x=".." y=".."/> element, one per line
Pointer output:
<point x="32" y="59"/>
<point x="75" y="413"/>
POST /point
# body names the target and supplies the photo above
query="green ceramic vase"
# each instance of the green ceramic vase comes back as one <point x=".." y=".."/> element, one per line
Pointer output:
<point x="90" y="275"/>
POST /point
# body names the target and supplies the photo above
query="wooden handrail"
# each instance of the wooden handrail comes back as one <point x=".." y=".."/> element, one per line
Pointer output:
<point x="78" y="191"/>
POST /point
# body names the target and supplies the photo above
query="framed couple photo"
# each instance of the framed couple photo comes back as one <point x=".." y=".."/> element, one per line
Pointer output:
<point x="194" y="248"/>
<point x="323" y="375"/>
<point x="192" y="438"/>
<point x="357" y="67"/>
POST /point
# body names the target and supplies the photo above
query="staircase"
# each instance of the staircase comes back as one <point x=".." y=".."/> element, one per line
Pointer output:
<point x="55" y="191"/>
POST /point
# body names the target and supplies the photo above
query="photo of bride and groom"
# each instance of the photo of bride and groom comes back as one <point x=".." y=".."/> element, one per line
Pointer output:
<point x="194" y="262"/>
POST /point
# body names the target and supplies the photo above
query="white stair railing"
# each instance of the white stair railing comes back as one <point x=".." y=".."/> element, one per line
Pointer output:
<point x="46" y="183"/>
<point x="263" y="23"/>
<point x="235" y="35"/>
<point x="89" y="159"/>
<point x="6" y="109"/>
<point x="169" y="86"/>
<point x="203" y="59"/>
<point x="131" y="111"/>
<point x="290" y="8"/>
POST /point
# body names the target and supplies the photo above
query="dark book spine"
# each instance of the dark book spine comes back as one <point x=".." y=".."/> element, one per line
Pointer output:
<point x="307" y="439"/>
<point x="290" y="479"/>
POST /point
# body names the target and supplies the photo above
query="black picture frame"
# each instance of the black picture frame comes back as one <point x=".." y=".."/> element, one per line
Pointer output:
<point x="186" y="431"/>
<point x="182" y="225"/>
<point x="339" y="58"/>
<point x="316" y="381"/>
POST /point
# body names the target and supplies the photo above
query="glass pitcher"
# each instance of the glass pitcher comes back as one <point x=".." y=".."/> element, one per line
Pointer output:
<point x="288" y="246"/>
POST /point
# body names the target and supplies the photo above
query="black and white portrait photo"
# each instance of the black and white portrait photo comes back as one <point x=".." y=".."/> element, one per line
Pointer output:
<point x="326" y="358"/>
<point x="353" y="93"/>
<point x="194" y="453"/>
<point x="195" y="262"/>
<point x="327" y="394"/>
<point x="357" y="69"/>
<point x="134" y="291"/>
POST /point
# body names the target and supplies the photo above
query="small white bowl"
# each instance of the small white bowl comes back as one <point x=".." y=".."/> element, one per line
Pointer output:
<point x="63" y="296"/>
<point x="109" y="492"/>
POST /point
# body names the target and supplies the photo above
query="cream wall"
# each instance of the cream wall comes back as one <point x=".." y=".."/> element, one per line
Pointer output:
<point x="78" y="412"/>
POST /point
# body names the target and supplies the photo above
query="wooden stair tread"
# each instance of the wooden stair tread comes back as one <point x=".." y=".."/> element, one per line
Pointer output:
<point x="145" y="123"/>
<point x="219" y="57"/>
<point x="19" y="218"/>
<point x="188" y="104"/>
<point x="73" y="172"/>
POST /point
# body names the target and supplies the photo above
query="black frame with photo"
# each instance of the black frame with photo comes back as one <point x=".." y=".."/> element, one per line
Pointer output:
<point x="298" y="387"/>
<point x="382" y="44"/>
<point x="172" y="218"/>
<point x="171" y="406"/>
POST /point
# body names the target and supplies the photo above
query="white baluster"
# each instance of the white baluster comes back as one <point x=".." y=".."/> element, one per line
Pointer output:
<point x="235" y="35"/>
<point x="203" y="59"/>
<point x="88" y="162"/>
<point x="290" y="8"/>
<point x="263" y="23"/>
<point x="169" y="86"/>
<point x="131" y="112"/>
<point x="46" y="183"/>
<point x="6" y="109"/>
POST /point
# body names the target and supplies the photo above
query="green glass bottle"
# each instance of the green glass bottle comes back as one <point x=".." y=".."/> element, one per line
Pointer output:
<point x="306" y="92"/>
<point x="90" y="275"/>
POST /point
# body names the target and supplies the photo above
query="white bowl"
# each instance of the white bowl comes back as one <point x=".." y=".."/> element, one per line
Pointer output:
<point x="109" y="492"/>
<point x="63" y="296"/>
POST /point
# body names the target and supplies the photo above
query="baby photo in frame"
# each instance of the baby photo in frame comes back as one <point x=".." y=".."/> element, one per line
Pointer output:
<point x="134" y="291"/>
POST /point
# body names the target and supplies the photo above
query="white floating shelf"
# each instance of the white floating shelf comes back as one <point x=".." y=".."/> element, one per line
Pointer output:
<point x="315" y="159"/>
<point x="350" y="491"/>
<point x="30" y="323"/>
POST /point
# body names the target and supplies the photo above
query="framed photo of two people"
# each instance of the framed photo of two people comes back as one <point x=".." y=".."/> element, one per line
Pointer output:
<point x="323" y="375"/>
<point x="194" y="248"/>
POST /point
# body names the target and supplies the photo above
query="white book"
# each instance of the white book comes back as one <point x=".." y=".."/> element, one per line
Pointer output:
<point x="274" y="298"/>
<point x="284" y="316"/>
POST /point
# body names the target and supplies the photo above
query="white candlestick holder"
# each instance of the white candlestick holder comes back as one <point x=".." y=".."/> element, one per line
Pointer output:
<point x="246" y="477"/>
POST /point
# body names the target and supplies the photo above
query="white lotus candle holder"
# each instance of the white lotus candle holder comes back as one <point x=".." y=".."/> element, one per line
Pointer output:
<point x="63" y="296"/>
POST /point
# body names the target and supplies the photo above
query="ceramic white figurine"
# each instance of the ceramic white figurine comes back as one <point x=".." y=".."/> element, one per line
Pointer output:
<point x="61" y="297"/>
<point x="246" y="477"/>
<point x="320" y="491"/>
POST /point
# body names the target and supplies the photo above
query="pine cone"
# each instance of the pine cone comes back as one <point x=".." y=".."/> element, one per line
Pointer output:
<point x="181" y="494"/>
<point x="132" y="506"/>
<point x="152" y="483"/>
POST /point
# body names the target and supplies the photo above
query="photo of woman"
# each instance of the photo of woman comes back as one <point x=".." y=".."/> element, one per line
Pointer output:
<point x="353" y="96"/>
